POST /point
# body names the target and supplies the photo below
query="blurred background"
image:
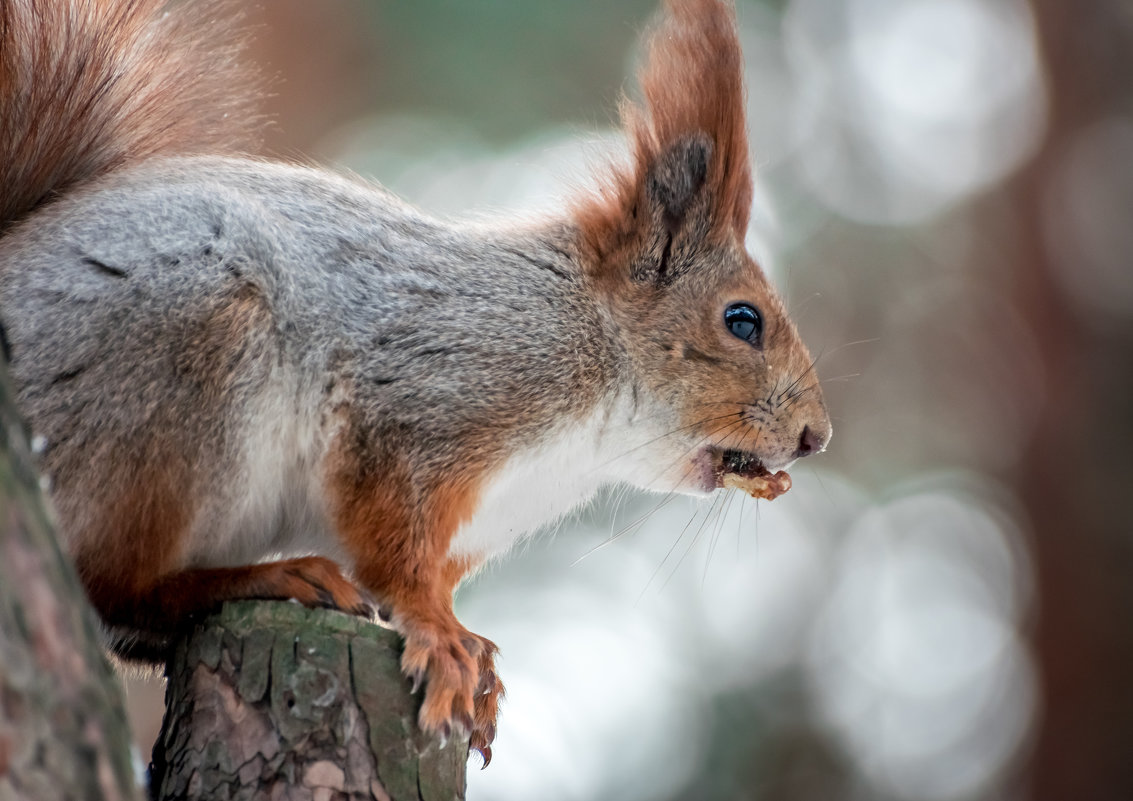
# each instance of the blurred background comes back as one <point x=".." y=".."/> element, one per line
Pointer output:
<point x="940" y="608"/>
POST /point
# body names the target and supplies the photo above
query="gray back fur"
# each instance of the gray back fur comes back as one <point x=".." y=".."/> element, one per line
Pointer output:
<point x="443" y="336"/>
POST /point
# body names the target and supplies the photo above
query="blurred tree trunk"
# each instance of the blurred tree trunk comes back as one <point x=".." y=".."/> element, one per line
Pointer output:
<point x="270" y="700"/>
<point x="1076" y="475"/>
<point x="63" y="730"/>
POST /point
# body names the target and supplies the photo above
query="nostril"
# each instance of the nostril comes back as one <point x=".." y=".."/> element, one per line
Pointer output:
<point x="809" y="442"/>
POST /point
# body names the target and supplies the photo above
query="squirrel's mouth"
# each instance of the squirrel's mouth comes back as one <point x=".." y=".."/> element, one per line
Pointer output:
<point x="743" y="470"/>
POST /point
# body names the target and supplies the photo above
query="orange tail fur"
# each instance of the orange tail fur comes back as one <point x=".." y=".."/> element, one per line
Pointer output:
<point x="90" y="85"/>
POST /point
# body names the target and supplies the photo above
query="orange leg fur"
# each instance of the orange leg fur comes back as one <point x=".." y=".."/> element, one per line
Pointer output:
<point x="167" y="602"/>
<point x="456" y="666"/>
<point x="400" y="554"/>
<point x="490" y="690"/>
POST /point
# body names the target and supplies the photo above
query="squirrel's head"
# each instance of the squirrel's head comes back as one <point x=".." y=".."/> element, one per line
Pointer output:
<point x="720" y="375"/>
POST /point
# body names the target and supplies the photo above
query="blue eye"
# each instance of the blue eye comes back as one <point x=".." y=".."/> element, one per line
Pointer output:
<point x="745" y="322"/>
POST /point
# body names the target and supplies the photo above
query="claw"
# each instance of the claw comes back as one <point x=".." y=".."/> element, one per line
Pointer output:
<point x="325" y="598"/>
<point x="486" y="753"/>
<point x="415" y="681"/>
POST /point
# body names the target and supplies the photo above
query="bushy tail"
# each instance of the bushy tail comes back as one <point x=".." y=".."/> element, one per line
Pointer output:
<point x="89" y="85"/>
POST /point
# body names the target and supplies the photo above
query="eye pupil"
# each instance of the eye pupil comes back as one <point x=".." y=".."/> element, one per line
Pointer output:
<point x="744" y="321"/>
<point x="743" y="328"/>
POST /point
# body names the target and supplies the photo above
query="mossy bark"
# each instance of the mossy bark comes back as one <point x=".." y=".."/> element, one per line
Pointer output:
<point x="63" y="730"/>
<point x="270" y="700"/>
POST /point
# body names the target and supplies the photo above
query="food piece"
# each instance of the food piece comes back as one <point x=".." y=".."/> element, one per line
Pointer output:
<point x="768" y="486"/>
<point x="745" y="472"/>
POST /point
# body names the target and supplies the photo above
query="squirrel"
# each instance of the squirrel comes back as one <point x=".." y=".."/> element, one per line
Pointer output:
<point x="258" y="379"/>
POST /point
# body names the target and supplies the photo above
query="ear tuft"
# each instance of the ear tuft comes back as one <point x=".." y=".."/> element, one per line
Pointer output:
<point x="689" y="136"/>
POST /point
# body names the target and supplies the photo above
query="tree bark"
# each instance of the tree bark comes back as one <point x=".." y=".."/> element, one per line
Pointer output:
<point x="63" y="730"/>
<point x="270" y="700"/>
<point x="1075" y="479"/>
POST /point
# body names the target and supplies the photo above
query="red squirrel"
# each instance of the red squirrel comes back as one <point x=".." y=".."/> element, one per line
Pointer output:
<point x="254" y="379"/>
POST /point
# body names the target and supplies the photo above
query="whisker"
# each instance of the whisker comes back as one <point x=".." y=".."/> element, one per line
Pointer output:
<point x="669" y="496"/>
<point x="852" y="344"/>
<point x="756" y="434"/>
<point x="797" y="308"/>
<point x="715" y="503"/>
<point x="668" y="553"/>
<point x="724" y="403"/>
<point x="740" y="527"/>
<point x="822" y="484"/>
<point x="804" y="373"/>
<point x="716" y="514"/>
<point x="666" y="434"/>
<point x="715" y="539"/>
<point x="757" y="519"/>
<point x="708" y="519"/>
<point x="828" y="353"/>
<point x="794" y="398"/>
<point x="635" y="524"/>
<point x="772" y="392"/>
<point x="726" y="429"/>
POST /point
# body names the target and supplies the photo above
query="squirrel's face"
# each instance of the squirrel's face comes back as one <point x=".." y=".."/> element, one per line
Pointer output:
<point x="722" y="384"/>
<point x="720" y="373"/>
<point x="722" y="387"/>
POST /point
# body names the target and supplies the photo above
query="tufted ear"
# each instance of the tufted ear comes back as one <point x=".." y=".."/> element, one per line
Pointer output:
<point x="689" y="178"/>
<point x="676" y="176"/>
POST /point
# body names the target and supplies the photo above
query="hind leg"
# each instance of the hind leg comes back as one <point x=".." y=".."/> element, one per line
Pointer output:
<point x="143" y="619"/>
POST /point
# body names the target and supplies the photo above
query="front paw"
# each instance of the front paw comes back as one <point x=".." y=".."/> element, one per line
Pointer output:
<point x="462" y="691"/>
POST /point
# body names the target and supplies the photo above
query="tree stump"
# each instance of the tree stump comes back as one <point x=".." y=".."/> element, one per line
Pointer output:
<point x="271" y="700"/>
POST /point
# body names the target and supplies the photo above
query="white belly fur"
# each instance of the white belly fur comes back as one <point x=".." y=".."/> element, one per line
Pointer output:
<point x="539" y="486"/>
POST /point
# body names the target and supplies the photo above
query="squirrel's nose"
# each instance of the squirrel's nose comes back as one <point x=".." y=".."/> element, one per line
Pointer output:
<point x="812" y="441"/>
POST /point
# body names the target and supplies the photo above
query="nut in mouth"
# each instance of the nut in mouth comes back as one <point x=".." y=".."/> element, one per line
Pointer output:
<point x="743" y="470"/>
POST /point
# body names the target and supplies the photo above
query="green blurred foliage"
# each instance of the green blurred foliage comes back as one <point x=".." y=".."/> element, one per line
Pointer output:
<point x="508" y="68"/>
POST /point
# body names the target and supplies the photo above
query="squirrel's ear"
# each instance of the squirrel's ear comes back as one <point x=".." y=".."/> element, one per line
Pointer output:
<point x="676" y="176"/>
<point x="689" y="176"/>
